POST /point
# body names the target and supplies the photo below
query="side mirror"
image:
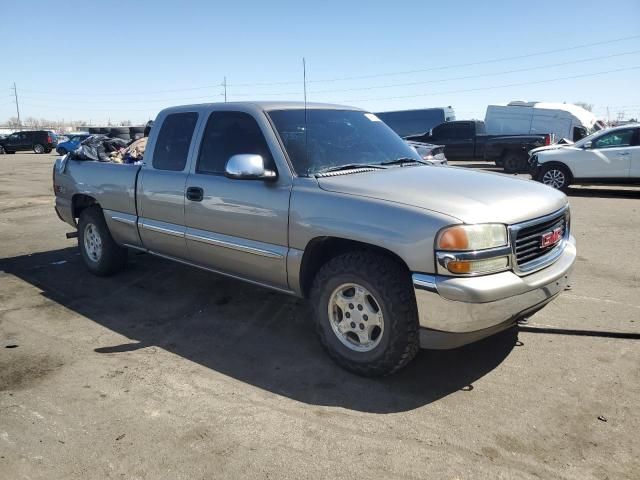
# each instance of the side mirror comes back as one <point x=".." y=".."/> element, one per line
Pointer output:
<point x="588" y="145"/>
<point x="248" y="167"/>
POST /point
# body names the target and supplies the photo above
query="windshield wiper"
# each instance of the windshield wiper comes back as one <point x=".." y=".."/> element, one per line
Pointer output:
<point x="349" y="166"/>
<point x="401" y="161"/>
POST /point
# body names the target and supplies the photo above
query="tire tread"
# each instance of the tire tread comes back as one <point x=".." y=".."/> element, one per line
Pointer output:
<point x="393" y="281"/>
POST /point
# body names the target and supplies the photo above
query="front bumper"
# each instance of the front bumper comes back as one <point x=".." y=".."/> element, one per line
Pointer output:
<point x="454" y="311"/>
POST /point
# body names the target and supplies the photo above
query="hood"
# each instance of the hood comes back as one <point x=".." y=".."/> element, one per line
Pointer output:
<point x="555" y="147"/>
<point x="469" y="196"/>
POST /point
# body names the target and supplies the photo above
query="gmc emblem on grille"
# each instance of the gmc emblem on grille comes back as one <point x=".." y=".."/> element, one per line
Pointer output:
<point x="551" y="238"/>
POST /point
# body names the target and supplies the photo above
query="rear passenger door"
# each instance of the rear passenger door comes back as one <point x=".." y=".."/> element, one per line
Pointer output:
<point x="161" y="186"/>
<point x="239" y="227"/>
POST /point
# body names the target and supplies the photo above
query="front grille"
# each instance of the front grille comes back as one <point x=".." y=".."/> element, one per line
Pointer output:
<point x="527" y="240"/>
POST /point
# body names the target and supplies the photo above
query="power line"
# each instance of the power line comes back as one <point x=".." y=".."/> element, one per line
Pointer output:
<point x="494" y="87"/>
<point x="394" y="85"/>
<point x="337" y="79"/>
<point x="466" y="77"/>
<point x="130" y="102"/>
<point x="444" y="67"/>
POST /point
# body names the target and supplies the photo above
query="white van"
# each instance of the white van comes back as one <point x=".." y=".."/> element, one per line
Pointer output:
<point x="565" y="120"/>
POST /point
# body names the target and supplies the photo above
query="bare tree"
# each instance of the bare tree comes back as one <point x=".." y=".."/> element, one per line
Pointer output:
<point x="585" y="105"/>
<point x="13" y="122"/>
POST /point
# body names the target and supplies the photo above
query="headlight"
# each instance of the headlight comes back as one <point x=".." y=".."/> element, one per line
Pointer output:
<point x="473" y="249"/>
<point x="472" y="237"/>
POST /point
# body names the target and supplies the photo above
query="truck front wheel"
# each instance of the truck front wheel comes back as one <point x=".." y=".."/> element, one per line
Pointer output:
<point x="365" y="313"/>
<point x="101" y="254"/>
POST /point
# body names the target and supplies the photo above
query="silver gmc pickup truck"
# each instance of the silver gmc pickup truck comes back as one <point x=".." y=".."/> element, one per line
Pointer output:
<point x="328" y="203"/>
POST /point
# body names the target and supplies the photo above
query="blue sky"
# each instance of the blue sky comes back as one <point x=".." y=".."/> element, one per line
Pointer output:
<point x="128" y="60"/>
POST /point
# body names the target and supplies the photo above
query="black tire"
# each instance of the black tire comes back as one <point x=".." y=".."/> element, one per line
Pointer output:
<point x="47" y="150"/>
<point x="112" y="258"/>
<point x="61" y="151"/>
<point x="38" y="148"/>
<point x="514" y="162"/>
<point x="555" y="176"/>
<point x="390" y="285"/>
<point x="499" y="162"/>
<point x="2" y="151"/>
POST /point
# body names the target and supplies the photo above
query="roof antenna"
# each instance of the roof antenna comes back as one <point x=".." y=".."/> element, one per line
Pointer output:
<point x="304" y="82"/>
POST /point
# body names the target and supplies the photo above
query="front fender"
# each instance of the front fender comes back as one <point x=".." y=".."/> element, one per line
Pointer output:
<point x="407" y="231"/>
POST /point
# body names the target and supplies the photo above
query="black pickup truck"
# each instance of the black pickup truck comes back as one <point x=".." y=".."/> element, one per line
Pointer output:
<point x="467" y="140"/>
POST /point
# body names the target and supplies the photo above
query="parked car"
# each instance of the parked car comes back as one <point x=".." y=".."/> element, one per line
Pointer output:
<point x="327" y="203"/>
<point x="564" y="120"/>
<point x="432" y="154"/>
<point x="416" y="122"/>
<point x="609" y="156"/>
<point x="72" y="142"/>
<point x="467" y="140"/>
<point x="40" y="141"/>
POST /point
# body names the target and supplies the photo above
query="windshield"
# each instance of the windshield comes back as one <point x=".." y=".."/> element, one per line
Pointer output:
<point x="337" y="137"/>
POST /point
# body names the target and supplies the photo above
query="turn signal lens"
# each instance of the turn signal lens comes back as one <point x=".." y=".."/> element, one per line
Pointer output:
<point x="472" y="237"/>
<point x="477" y="266"/>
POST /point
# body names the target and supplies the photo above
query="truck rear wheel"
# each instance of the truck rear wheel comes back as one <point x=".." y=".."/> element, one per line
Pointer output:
<point x="365" y="313"/>
<point x="515" y="162"/>
<point x="101" y="254"/>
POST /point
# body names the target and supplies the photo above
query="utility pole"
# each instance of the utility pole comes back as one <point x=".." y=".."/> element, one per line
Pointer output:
<point x="15" y="93"/>
<point x="224" y="84"/>
<point x="304" y="81"/>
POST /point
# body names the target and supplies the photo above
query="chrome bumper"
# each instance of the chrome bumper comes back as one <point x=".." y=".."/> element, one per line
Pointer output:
<point x="471" y="308"/>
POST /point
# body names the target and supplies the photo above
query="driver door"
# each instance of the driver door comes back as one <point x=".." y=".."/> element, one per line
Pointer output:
<point x="238" y="227"/>
<point x="608" y="157"/>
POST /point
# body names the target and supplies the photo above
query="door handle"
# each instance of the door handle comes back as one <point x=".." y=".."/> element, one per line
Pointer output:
<point x="195" y="194"/>
<point x="623" y="154"/>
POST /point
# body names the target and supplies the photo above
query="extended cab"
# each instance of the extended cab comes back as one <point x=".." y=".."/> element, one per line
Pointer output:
<point x="467" y="140"/>
<point x="327" y="203"/>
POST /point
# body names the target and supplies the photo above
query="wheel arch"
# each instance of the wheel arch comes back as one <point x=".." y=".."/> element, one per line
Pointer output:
<point x="80" y="202"/>
<point x="557" y="163"/>
<point x="320" y="250"/>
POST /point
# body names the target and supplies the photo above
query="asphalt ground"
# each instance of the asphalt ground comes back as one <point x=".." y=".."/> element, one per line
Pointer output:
<point x="165" y="371"/>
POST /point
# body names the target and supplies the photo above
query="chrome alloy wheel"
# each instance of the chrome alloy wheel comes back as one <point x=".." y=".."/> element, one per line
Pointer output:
<point x="554" y="178"/>
<point x="356" y="317"/>
<point x="92" y="242"/>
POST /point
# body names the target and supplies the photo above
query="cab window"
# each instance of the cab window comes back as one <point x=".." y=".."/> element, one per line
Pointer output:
<point x="619" y="138"/>
<point x="174" y="139"/>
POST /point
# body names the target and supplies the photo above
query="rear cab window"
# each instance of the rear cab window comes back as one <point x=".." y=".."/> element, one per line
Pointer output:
<point x="173" y="142"/>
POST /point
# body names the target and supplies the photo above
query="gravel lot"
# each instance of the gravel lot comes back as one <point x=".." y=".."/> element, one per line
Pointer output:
<point x="169" y="372"/>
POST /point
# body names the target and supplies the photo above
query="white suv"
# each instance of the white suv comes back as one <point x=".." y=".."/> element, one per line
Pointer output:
<point x="609" y="156"/>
